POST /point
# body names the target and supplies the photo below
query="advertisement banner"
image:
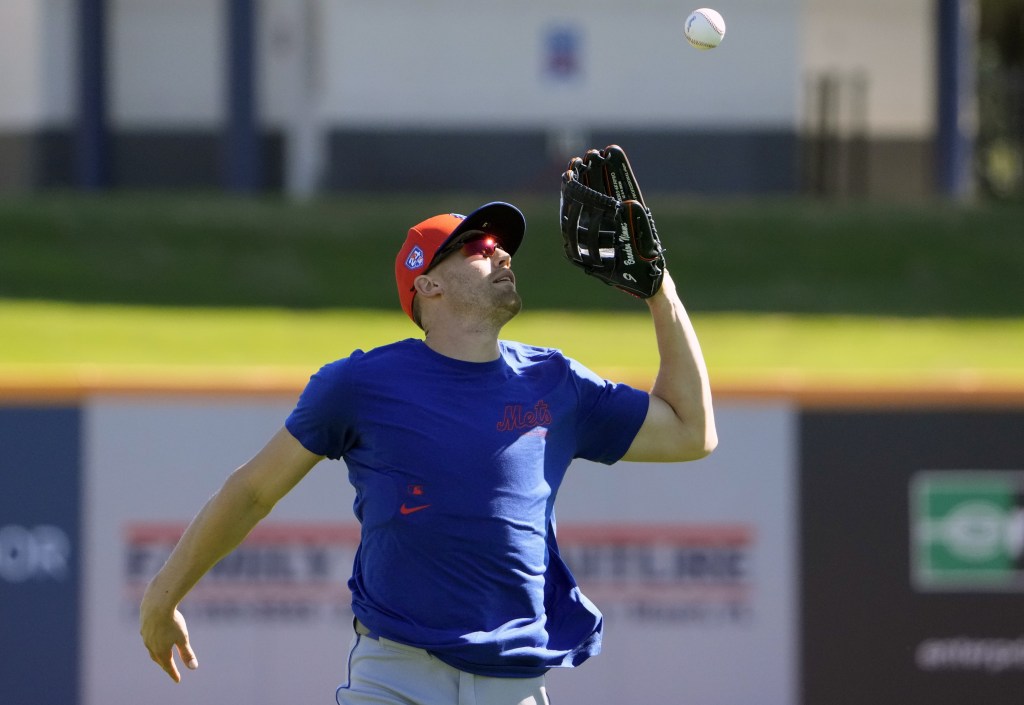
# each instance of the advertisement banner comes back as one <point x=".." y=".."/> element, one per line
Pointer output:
<point x="911" y="557"/>
<point x="265" y="624"/>
<point x="694" y="567"/>
<point x="967" y="531"/>
<point x="40" y="555"/>
<point x="692" y="564"/>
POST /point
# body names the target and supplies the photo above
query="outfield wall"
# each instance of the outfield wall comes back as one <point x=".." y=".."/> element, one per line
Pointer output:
<point x="824" y="554"/>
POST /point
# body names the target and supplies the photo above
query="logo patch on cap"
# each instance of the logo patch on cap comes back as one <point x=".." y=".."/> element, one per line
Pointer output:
<point x="415" y="259"/>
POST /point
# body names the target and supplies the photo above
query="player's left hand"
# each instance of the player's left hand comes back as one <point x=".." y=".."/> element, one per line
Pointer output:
<point x="162" y="633"/>
<point x="607" y="229"/>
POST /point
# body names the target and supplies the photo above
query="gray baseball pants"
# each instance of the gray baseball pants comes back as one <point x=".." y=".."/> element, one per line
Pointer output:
<point x="383" y="672"/>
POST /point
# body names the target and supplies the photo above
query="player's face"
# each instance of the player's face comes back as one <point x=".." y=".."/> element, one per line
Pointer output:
<point x="479" y="280"/>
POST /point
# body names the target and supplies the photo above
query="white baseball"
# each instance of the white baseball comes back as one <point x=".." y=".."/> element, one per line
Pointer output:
<point x="704" y="29"/>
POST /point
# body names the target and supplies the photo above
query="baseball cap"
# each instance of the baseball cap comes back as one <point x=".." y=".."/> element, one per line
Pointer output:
<point x="426" y="239"/>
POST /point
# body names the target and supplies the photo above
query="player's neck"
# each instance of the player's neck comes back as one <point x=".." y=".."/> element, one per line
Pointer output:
<point x="468" y="344"/>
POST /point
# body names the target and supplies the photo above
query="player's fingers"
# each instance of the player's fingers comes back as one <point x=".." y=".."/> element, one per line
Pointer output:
<point x="188" y="656"/>
<point x="167" y="663"/>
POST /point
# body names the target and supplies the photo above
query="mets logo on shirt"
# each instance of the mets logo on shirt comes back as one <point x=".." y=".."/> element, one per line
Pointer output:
<point x="415" y="258"/>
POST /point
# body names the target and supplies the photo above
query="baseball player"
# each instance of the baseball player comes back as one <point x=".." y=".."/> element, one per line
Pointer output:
<point x="456" y="444"/>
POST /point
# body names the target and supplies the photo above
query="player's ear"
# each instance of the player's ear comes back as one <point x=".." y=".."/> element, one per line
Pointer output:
<point x="427" y="285"/>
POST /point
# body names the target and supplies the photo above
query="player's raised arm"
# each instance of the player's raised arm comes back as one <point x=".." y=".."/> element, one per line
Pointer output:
<point x="247" y="496"/>
<point x="609" y="232"/>
<point x="680" y="423"/>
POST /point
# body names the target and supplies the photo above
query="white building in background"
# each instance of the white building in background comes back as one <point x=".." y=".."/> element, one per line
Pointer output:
<point x="458" y="94"/>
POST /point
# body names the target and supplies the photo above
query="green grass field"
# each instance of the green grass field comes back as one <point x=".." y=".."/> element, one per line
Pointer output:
<point x="60" y="341"/>
<point x="198" y="284"/>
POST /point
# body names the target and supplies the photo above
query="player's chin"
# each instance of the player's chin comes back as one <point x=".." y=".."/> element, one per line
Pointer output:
<point x="509" y="304"/>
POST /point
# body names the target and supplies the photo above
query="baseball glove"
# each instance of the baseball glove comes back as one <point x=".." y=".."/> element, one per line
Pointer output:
<point x="607" y="229"/>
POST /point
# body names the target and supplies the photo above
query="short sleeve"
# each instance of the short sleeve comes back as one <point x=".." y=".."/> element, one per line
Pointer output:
<point x="323" y="419"/>
<point x="610" y="415"/>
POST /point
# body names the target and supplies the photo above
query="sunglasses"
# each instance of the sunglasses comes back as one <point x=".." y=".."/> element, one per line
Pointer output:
<point x="484" y="245"/>
<point x="481" y="244"/>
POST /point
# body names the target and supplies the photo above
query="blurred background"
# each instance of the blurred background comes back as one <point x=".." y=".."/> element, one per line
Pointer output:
<point x="862" y="162"/>
<point x="889" y="100"/>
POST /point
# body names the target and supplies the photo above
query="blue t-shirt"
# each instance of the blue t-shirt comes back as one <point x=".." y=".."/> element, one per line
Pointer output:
<point x="456" y="466"/>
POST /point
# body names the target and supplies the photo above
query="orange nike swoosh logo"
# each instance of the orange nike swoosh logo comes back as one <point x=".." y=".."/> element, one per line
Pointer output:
<point x="409" y="510"/>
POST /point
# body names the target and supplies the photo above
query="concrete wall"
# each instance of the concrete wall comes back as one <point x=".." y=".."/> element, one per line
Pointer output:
<point x="361" y="91"/>
<point x="882" y="57"/>
<point x="36" y="92"/>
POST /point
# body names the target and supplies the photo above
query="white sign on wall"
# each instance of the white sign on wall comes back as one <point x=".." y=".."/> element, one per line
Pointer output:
<point x="692" y="564"/>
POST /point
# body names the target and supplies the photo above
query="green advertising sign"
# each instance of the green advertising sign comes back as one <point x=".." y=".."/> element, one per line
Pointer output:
<point x="967" y="531"/>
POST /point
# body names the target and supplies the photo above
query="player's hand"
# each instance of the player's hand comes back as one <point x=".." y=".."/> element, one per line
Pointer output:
<point x="162" y="633"/>
<point x="607" y="229"/>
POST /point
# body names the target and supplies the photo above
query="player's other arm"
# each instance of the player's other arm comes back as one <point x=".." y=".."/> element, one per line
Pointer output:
<point x="680" y="423"/>
<point x="247" y="496"/>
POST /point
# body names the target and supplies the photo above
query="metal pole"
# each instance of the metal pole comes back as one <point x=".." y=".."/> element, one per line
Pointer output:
<point x="859" y="169"/>
<point x="957" y="27"/>
<point x="243" y="172"/>
<point x="92" y="149"/>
